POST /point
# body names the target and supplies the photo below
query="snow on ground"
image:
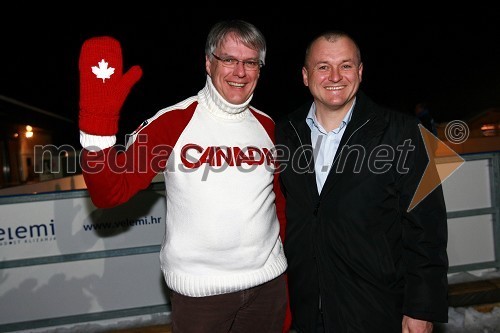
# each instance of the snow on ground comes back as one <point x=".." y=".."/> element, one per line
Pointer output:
<point x="468" y="319"/>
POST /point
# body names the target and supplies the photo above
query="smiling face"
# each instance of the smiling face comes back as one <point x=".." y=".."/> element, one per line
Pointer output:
<point x="333" y="73"/>
<point x="236" y="84"/>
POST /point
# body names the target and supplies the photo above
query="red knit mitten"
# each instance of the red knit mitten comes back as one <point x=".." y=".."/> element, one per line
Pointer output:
<point x="103" y="86"/>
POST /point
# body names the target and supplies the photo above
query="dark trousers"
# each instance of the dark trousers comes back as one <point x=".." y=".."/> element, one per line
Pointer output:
<point x="259" y="309"/>
<point x="320" y="327"/>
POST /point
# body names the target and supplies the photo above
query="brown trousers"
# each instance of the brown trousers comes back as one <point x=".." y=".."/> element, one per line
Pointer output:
<point x="259" y="309"/>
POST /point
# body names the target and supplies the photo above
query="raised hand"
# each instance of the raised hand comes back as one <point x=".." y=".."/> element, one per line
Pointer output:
<point x="103" y="86"/>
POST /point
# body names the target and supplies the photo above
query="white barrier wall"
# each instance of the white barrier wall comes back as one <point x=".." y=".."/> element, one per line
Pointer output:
<point x="470" y="238"/>
<point x="469" y="186"/>
<point x="62" y="257"/>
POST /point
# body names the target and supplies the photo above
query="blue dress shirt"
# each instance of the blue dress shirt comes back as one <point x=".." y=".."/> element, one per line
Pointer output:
<point x="324" y="144"/>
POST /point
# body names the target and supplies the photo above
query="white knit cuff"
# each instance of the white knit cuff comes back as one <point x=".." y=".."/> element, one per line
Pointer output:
<point x="96" y="142"/>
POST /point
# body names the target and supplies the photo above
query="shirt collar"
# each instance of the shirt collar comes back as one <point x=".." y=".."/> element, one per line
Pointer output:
<point x="311" y="119"/>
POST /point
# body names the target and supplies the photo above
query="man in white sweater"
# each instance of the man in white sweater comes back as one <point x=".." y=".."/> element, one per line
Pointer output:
<point x="222" y="255"/>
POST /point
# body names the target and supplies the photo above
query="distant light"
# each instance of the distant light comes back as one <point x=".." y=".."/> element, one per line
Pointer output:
<point x="16" y="135"/>
<point x="489" y="129"/>
<point x="29" y="131"/>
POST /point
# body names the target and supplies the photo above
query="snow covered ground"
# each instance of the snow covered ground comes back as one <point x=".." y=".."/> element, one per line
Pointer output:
<point x="468" y="319"/>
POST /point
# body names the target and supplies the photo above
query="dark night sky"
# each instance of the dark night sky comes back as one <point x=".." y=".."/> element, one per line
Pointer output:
<point x="450" y="61"/>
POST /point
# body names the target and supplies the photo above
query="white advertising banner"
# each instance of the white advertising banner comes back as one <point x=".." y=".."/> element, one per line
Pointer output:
<point x="47" y="268"/>
<point x="75" y="225"/>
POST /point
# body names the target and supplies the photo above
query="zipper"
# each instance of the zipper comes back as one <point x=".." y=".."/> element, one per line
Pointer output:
<point x="320" y="303"/>
<point x="349" y="138"/>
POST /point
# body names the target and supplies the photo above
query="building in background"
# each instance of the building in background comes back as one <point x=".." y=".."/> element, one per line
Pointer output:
<point x="479" y="133"/>
<point x="35" y="145"/>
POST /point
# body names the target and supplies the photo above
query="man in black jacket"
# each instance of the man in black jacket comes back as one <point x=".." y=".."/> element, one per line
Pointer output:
<point x="359" y="259"/>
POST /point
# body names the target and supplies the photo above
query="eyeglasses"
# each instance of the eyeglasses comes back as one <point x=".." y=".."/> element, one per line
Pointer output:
<point x="250" y="65"/>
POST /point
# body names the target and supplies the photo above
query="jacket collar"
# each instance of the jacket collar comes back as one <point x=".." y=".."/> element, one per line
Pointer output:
<point x="367" y="118"/>
<point x="364" y="110"/>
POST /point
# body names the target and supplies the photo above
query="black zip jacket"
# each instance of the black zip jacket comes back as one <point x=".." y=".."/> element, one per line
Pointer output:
<point x="356" y="246"/>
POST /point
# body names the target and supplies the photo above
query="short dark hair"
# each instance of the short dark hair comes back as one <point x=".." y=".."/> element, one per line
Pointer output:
<point x="332" y="36"/>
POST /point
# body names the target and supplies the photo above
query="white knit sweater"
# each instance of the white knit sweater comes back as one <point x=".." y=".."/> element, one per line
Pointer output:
<point x="222" y="231"/>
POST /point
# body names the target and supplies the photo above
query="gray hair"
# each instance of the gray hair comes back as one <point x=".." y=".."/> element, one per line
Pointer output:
<point x="245" y="32"/>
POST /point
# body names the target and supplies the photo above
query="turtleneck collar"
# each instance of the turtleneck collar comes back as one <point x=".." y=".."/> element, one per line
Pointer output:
<point x="218" y="106"/>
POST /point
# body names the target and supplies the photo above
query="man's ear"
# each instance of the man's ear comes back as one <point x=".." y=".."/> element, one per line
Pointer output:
<point x="304" y="77"/>
<point x="208" y="63"/>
